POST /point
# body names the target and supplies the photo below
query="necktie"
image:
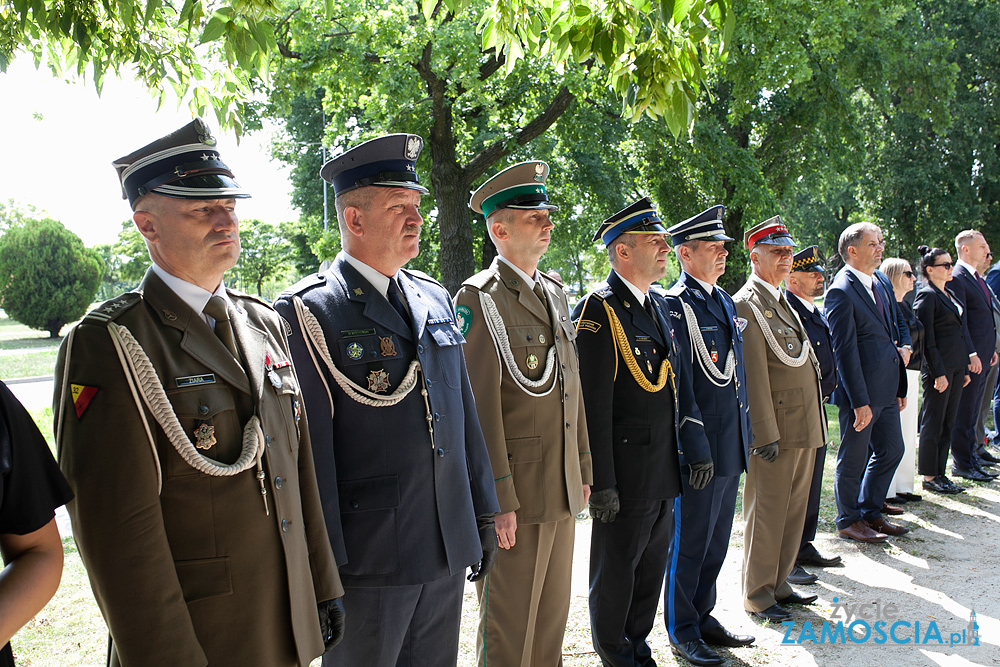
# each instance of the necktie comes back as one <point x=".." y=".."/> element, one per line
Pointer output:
<point x="392" y="294"/>
<point x="878" y="299"/>
<point x="540" y="293"/>
<point x="648" y="307"/>
<point x="984" y="288"/>
<point x="216" y="309"/>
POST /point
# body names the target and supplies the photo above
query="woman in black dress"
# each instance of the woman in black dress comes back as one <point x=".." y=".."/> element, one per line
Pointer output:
<point x="947" y="348"/>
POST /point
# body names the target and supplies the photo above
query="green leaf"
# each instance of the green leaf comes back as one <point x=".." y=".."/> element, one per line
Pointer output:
<point x="215" y="28"/>
<point x="427" y="7"/>
<point x="681" y="9"/>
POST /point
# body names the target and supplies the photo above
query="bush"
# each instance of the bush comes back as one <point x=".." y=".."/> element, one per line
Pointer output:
<point x="47" y="277"/>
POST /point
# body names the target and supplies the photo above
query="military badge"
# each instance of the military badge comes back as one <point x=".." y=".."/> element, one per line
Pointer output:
<point x="274" y="378"/>
<point x="355" y="351"/>
<point x="413" y="146"/>
<point x="378" y="381"/>
<point x="768" y="314"/>
<point x="464" y="316"/>
<point x="204" y="436"/>
<point x="296" y="409"/>
<point x="82" y="395"/>
<point x="539" y="171"/>
<point x="715" y="356"/>
<point x="169" y="315"/>
<point x="532" y="362"/>
<point x="740" y="322"/>
<point x="358" y="291"/>
<point x="541" y="338"/>
<point x="388" y="347"/>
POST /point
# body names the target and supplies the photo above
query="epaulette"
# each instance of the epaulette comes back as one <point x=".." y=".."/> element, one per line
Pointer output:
<point x="481" y="279"/>
<point x="676" y="290"/>
<point x="423" y="276"/>
<point x="110" y="310"/>
<point x="602" y="291"/>
<point x="657" y="288"/>
<point x="306" y="283"/>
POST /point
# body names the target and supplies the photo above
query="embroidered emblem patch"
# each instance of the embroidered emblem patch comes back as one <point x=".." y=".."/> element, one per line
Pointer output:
<point x="588" y="325"/>
<point x="464" y="315"/>
<point x="388" y="347"/>
<point x="82" y="396"/>
<point x="378" y="381"/>
<point x="741" y="323"/>
<point x="204" y="436"/>
<point x="355" y="351"/>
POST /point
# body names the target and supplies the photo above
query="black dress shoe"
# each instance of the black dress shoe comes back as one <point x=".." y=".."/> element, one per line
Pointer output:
<point x="799" y="576"/>
<point x="898" y="499"/>
<point x="909" y="497"/>
<point x="936" y="485"/>
<point x="975" y="474"/>
<point x="696" y="652"/>
<point x="985" y="455"/>
<point x="954" y="488"/>
<point x="721" y="637"/>
<point x="989" y="472"/>
<point x="984" y="464"/>
<point x="797" y="598"/>
<point x="773" y="613"/>
<point x="809" y="556"/>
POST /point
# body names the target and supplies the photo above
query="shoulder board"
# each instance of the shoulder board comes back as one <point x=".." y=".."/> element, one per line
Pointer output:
<point x="306" y="283"/>
<point x="110" y="310"/>
<point x="602" y="292"/>
<point x="481" y="279"/>
<point x="657" y="288"/>
<point x="546" y="276"/>
<point x="676" y="289"/>
<point x="422" y="276"/>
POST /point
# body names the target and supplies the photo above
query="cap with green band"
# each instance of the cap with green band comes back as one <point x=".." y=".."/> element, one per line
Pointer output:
<point x="521" y="187"/>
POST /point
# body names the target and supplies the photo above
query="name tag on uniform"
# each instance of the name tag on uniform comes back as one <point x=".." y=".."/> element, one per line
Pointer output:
<point x="192" y="380"/>
<point x="354" y="333"/>
<point x="643" y="339"/>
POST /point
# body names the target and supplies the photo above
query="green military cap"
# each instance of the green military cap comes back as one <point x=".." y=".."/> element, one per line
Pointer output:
<point x="521" y="187"/>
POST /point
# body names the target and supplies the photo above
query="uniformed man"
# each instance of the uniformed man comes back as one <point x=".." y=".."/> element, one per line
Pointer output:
<point x="786" y="414"/>
<point x="704" y="517"/>
<point x="803" y="285"/>
<point x="644" y="426"/>
<point x="403" y="469"/>
<point x="523" y="367"/>
<point x="196" y="513"/>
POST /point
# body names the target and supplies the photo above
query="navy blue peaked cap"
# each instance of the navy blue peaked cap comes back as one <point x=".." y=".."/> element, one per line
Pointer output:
<point x="387" y="161"/>
<point x="184" y="164"/>
<point x="706" y="226"/>
<point x="637" y="218"/>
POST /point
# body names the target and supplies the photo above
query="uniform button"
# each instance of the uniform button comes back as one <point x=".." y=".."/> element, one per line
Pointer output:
<point x="624" y="441"/>
<point x="267" y="439"/>
<point x="203" y="410"/>
<point x="440" y="452"/>
<point x="565" y="395"/>
<point x="529" y="337"/>
<point x="567" y="424"/>
<point x="563" y="365"/>
<point x="278" y="482"/>
<point x="557" y="336"/>
<point x="355" y="504"/>
<point x="429" y="383"/>
<point x="284" y="525"/>
<point x="437" y="416"/>
<point x="420" y="349"/>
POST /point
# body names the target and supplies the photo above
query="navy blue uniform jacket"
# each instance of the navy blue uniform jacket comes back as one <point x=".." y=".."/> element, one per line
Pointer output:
<point x="818" y="330"/>
<point x="871" y="370"/>
<point x="398" y="511"/>
<point x="724" y="410"/>
<point x="637" y="443"/>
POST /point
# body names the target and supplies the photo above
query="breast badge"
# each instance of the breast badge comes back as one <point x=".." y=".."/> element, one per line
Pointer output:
<point x="541" y="338"/>
<point x="378" y="381"/>
<point x="355" y="351"/>
<point x="388" y="347"/>
<point x="204" y="436"/>
<point x="532" y="362"/>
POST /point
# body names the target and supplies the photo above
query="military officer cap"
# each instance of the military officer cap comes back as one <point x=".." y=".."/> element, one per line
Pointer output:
<point x="521" y="187"/>
<point x="389" y="161"/>
<point x="770" y="232"/>
<point x="706" y="226"/>
<point x="808" y="259"/>
<point x="184" y="164"/>
<point x="637" y="218"/>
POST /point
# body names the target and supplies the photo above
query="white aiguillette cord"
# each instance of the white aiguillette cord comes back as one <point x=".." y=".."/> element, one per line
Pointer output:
<point x="498" y="331"/>
<point x="782" y="356"/>
<point x="144" y="383"/>
<point x="313" y="333"/>
<point x="715" y="376"/>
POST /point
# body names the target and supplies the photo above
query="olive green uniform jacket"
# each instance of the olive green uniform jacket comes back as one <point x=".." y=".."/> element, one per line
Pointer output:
<point x="187" y="568"/>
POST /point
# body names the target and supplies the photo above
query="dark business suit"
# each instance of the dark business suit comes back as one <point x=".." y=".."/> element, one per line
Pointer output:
<point x="979" y="317"/>
<point x="639" y="439"/>
<point x="400" y="503"/>
<point x="704" y="519"/>
<point x="871" y="373"/>
<point x="946" y="353"/>
<point x="993" y="280"/>
<point x="818" y="331"/>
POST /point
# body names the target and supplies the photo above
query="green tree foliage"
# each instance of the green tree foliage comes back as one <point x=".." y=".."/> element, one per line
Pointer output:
<point x="125" y="261"/>
<point x="48" y="276"/>
<point x="264" y="254"/>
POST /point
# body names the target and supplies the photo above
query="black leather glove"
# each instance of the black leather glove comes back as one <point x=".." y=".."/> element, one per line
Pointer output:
<point x="488" y="538"/>
<point x="701" y="474"/>
<point x="331" y="622"/>
<point x="604" y="505"/>
<point x="767" y="452"/>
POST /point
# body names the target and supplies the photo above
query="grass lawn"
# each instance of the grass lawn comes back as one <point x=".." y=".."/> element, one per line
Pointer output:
<point x="26" y="352"/>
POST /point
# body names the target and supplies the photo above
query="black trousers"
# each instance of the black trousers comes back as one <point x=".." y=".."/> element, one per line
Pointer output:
<point x="627" y="562"/>
<point x="812" y="505"/>
<point x="937" y="422"/>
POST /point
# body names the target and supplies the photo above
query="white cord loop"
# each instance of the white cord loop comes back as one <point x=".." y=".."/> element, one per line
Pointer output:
<point x="782" y="356"/>
<point x="704" y="357"/>
<point x="495" y="325"/>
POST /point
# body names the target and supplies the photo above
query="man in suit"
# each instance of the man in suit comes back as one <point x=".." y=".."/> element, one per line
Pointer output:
<point x="972" y="250"/>
<point x="644" y="426"/>
<point x="523" y="367"/>
<point x="803" y="285"/>
<point x="992" y="391"/>
<point x="403" y="470"/>
<point x="786" y="412"/>
<point x="704" y="517"/>
<point x="203" y="552"/>
<point x="871" y="350"/>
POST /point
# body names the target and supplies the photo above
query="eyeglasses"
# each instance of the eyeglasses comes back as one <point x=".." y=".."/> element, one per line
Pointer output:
<point x="945" y="265"/>
<point x="909" y="274"/>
